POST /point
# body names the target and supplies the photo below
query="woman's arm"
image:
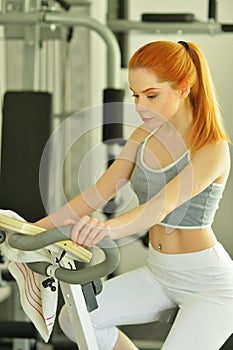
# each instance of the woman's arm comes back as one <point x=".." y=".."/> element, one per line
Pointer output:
<point x="116" y="176"/>
<point x="209" y="164"/>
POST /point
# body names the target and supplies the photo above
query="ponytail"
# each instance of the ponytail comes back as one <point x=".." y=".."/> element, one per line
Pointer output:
<point x="207" y="120"/>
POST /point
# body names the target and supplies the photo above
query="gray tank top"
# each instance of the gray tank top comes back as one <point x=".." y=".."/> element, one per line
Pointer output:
<point x="198" y="212"/>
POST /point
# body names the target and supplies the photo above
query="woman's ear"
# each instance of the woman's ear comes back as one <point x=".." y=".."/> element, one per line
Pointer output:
<point x="184" y="88"/>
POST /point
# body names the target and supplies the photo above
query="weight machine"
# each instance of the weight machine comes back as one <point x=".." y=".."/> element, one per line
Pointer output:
<point x="39" y="21"/>
<point x="29" y="112"/>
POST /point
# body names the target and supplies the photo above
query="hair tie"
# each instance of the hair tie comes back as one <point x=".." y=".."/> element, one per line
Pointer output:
<point x="183" y="43"/>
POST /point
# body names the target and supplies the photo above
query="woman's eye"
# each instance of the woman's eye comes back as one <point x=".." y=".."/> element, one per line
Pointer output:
<point x="151" y="97"/>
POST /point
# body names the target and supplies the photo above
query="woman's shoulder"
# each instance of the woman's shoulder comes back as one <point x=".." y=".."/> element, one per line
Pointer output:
<point x="218" y="148"/>
<point x="215" y="155"/>
<point x="139" y="134"/>
<point x="218" y="151"/>
<point x="136" y="138"/>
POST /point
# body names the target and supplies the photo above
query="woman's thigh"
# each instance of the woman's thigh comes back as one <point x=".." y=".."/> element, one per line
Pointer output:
<point x="204" y="293"/>
<point x="202" y="325"/>
<point x="133" y="297"/>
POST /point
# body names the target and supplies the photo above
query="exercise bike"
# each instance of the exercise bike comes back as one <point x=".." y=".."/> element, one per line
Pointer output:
<point x="79" y="284"/>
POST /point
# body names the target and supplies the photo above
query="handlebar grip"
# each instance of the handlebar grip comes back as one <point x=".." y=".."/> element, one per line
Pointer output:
<point x="57" y="234"/>
<point x="29" y="240"/>
<point x="88" y="274"/>
<point x="41" y="240"/>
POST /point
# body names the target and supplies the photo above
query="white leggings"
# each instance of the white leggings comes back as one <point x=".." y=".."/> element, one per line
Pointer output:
<point x="200" y="283"/>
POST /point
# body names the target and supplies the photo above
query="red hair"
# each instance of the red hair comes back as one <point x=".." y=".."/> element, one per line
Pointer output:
<point x="174" y="63"/>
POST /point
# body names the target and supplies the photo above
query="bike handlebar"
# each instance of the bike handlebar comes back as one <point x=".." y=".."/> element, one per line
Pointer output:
<point x="58" y="234"/>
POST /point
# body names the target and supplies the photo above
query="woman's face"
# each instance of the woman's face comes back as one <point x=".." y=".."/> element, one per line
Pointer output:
<point x="156" y="102"/>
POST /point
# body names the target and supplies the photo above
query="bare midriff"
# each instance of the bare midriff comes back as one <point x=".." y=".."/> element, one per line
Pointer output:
<point x="180" y="241"/>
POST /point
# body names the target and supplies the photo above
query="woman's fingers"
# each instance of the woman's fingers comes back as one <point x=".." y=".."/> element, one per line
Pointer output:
<point x="77" y="229"/>
<point x="88" y="231"/>
<point x="68" y="222"/>
<point x="99" y="236"/>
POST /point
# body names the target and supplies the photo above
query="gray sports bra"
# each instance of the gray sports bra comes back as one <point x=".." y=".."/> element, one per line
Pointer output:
<point x="198" y="212"/>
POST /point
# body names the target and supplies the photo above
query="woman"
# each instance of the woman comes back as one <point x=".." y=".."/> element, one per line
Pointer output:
<point x="178" y="163"/>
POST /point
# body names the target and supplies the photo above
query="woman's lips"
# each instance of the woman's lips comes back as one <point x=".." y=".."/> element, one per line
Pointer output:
<point x="146" y="120"/>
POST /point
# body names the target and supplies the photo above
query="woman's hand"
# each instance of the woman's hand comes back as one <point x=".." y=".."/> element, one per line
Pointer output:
<point x="87" y="231"/>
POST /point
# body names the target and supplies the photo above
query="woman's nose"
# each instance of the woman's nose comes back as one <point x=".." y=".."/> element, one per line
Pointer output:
<point x="140" y="108"/>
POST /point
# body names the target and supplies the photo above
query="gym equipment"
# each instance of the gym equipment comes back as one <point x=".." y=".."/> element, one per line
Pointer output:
<point x="45" y="17"/>
<point x="25" y="131"/>
<point x="160" y="23"/>
<point x="165" y="23"/>
<point x="76" y="285"/>
<point x="46" y="22"/>
<point x="168" y="17"/>
<point x="37" y="23"/>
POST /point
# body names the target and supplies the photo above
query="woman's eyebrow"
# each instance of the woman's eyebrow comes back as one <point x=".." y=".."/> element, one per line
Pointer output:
<point x="150" y="89"/>
<point x="146" y="90"/>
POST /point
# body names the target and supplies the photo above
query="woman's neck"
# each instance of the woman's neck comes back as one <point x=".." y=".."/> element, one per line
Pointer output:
<point x="182" y="121"/>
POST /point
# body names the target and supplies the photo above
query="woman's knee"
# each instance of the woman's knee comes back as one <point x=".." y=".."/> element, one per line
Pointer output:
<point x="105" y="337"/>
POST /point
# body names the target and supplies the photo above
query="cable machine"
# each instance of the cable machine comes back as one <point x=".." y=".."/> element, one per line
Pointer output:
<point x="44" y="18"/>
<point x="35" y="22"/>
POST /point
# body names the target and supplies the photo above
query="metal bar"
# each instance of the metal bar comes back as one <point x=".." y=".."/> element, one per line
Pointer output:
<point x="196" y="27"/>
<point x="31" y="57"/>
<point x="20" y="18"/>
<point x="114" y="57"/>
<point x="76" y="305"/>
<point x="212" y="9"/>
